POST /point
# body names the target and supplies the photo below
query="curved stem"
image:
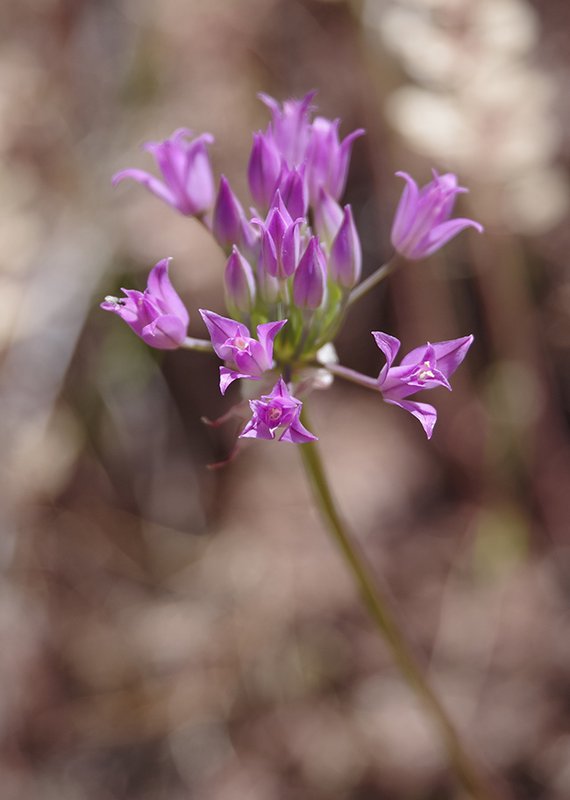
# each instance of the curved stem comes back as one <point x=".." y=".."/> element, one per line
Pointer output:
<point x="378" y="607"/>
<point x="202" y="345"/>
<point x="372" y="280"/>
<point x="353" y="376"/>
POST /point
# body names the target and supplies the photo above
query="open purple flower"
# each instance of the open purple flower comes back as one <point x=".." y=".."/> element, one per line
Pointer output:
<point x="188" y="183"/>
<point x="157" y="315"/>
<point x="328" y="158"/>
<point x="422" y="223"/>
<point x="425" y="367"/>
<point x="314" y="145"/>
<point x="274" y="412"/>
<point x="246" y="357"/>
<point x="290" y="128"/>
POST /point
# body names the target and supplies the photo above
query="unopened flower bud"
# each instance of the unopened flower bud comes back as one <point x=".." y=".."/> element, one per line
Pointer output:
<point x="328" y="218"/>
<point x="294" y="193"/>
<point x="310" y="282"/>
<point x="268" y="287"/>
<point x="240" y="283"/>
<point x="280" y="239"/>
<point x="345" y="261"/>
<point x="263" y="170"/>
<point x="268" y="255"/>
<point x="230" y="225"/>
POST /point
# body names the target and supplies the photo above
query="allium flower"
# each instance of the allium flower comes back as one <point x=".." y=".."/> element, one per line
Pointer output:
<point x="246" y="357"/>
<point x="310" y="281"/>
<point x="290" y="127"/>
<point x="328" y="218"/>
<point x="239" y="282"/>
<point x="327" y="158"/>
<point x="230" y="225"/>
<point x="345" y="261"/>
<point x="187" y="184"/>
<point x="423" y="368"/>
<point x="313" y="145"/>
<point x="263" y="170"/>
<point x="280" y="240"/>
<point x="157" y="315"/>
<point x="293" y="191"/>
<point x="294" y="165"/>
<point x="299" y="262"/>
<point x="422" y="223"/>
<point x="274" y="412"/>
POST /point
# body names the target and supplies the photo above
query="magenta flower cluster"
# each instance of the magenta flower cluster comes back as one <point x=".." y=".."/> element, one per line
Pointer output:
<point x="292" y="264"/>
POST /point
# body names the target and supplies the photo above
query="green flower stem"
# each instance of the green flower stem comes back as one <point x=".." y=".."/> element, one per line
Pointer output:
<point x="202" y="345"/>
<point x="372" y="280"/>
<point x="467" y="772"/>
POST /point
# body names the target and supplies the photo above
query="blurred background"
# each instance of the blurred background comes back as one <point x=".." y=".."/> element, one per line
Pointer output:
<point x="169" y="632"/>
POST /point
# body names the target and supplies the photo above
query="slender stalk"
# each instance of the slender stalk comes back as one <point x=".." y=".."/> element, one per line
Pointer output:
<point x="372" y="280"/>
<point x="378" y="607"/>
<point x="202" y="345"/>
<point x="353" y="376"/>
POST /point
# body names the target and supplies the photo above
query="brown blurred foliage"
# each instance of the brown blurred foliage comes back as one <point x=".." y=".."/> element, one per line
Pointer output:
<point x="168" y="632"/>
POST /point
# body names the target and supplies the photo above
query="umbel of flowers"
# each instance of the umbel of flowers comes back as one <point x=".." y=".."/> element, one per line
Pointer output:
<point x="293" y="267"/>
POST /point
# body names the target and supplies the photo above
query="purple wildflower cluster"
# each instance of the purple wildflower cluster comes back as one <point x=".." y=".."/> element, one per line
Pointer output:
<point x="292" y="263"/>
